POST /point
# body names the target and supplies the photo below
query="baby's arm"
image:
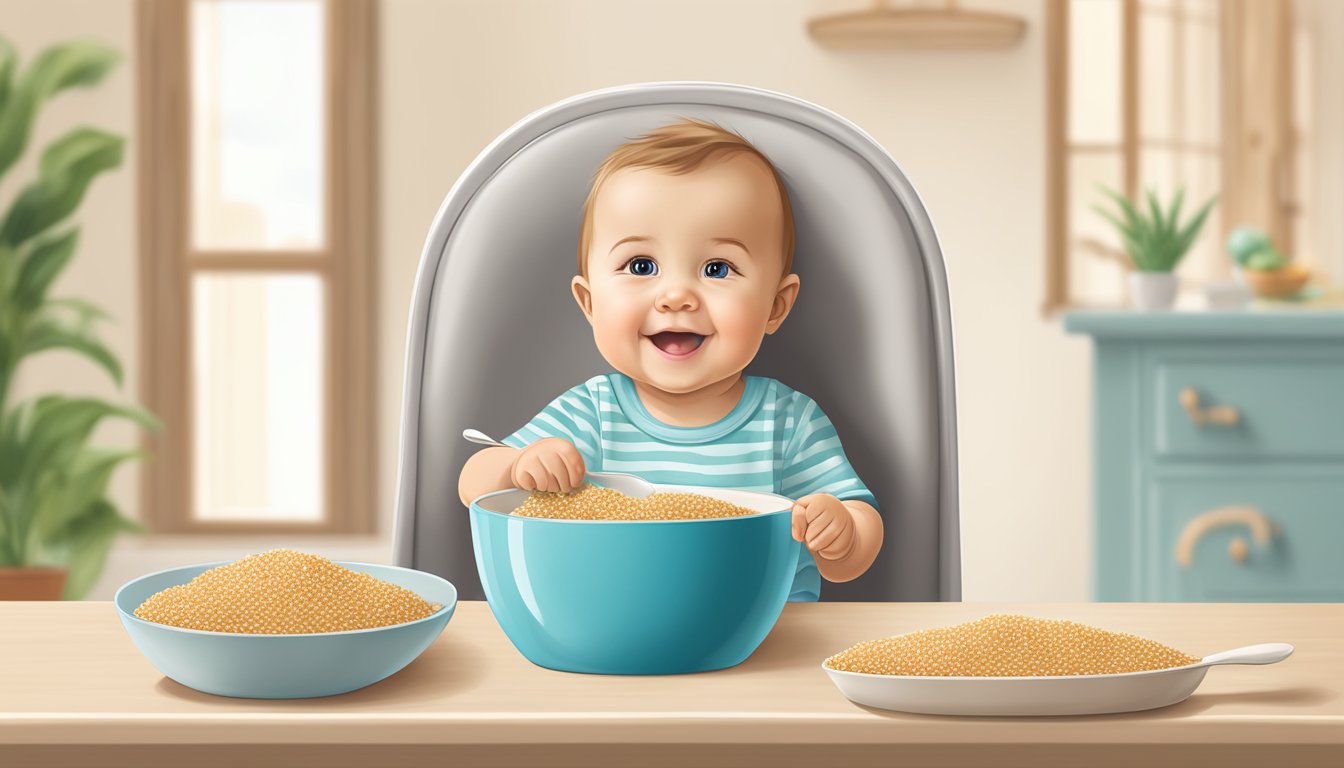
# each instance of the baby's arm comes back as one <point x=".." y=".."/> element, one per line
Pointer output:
<point x="549" y="464"/>
<point x="546" y="454"/>
<point x="487" y="470"/>
<point x="844" y="536"/>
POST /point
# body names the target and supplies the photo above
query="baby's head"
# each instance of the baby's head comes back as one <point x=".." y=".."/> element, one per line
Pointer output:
<point x="685" y="256"/>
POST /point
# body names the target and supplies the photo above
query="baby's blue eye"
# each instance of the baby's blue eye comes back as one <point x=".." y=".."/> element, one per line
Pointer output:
<point x="717" y="269"/>
<point x="642" y="267"/>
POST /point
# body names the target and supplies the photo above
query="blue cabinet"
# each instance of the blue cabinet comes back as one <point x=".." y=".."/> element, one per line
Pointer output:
<point x="1218" y="455"/>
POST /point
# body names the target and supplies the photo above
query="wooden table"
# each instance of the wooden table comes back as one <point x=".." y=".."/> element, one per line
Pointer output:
<point x="73" y="689"/>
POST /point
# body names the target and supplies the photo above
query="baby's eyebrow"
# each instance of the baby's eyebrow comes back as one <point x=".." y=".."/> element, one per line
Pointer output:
<point x="630" y="239"/>
<point x="730" y="241"/>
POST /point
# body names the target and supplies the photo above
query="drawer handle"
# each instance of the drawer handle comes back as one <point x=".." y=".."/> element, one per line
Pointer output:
<point x="1261" y="530"/>
<point x="1223" y="415"/>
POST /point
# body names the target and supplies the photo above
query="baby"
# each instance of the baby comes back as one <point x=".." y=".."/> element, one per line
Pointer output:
<point x="684" y="261"/>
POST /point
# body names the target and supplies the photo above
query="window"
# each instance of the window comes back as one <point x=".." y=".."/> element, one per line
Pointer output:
<point x="1158" y="95"/>
<point x="257" y="243"/>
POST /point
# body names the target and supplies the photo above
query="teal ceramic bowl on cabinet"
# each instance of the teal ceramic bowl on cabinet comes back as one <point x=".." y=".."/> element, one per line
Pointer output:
<point x="1218" y="455"/>
<point x="636" y="597"/>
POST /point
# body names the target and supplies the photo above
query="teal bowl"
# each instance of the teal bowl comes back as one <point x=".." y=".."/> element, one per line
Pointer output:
<point x="283" y="666"/>
<point x="636" y="597"/>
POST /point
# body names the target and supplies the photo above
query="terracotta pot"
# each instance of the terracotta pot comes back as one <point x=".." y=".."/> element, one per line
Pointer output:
<point x="31" y="583"/>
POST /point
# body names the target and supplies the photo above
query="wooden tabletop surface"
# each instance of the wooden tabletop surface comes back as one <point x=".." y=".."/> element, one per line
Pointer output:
<point x="72" y="685"/>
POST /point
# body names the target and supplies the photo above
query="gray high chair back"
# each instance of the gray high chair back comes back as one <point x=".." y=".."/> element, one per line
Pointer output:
<point x="495" y="333"/>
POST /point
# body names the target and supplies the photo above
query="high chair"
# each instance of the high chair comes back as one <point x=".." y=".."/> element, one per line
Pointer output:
<point x="495" y="333"/>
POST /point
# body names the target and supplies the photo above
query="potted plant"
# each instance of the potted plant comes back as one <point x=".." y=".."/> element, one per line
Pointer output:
<point x="56" y="522"/>
<point x="1156" y="243"/>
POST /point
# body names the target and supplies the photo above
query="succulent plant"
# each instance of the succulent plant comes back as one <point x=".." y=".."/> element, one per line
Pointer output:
<point x="1244" y="241"/>
<point x="1251" y="248"/>
<point x="1265" y="259"/>
<point x="1155" y="242"/>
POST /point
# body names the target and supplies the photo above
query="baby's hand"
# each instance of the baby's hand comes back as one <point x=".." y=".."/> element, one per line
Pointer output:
<point x="825" y="524"/>
<point x="549" y="464"/>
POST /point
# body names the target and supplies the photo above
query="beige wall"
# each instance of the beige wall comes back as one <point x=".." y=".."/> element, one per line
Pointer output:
<point x="967" y="127"/>
<point x="1321" y="185"/>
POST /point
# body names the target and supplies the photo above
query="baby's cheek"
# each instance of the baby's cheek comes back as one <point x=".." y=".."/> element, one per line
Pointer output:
<point x="741" y="329"/>
<point x="616" y="315"/>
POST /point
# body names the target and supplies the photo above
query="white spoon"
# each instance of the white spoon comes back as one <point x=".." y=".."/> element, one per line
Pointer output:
<point x="630" y="485"/>
<point x="1264" y="653"/>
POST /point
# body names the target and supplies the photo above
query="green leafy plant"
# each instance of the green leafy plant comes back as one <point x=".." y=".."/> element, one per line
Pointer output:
<point x="54" y="508"/>
<point x="1155" y="242"/>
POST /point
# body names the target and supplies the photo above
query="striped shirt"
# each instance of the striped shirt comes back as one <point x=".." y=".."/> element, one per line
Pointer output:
<point x="775" y="440"/>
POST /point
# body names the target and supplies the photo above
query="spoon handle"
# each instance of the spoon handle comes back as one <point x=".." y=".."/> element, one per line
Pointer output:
<point x="480" y="438"/>
<point x="1264" y="653"/>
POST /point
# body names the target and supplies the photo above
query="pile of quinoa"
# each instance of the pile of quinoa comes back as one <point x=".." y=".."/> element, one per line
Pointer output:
<point x="593" y="503"/>
<point x="284" y="592"/>
<point x="1009" y="645"/>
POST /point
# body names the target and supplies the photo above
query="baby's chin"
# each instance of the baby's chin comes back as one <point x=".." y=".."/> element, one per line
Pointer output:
<point x="649" y="367"/>
<point x="673" y="387"/>
<point x="676" y="382"/>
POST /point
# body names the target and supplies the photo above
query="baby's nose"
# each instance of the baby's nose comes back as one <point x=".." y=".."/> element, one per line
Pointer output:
<point x="677" y="299"/>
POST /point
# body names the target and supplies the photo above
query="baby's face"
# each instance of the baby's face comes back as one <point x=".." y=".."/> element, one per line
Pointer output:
<point x="685" y="273"/>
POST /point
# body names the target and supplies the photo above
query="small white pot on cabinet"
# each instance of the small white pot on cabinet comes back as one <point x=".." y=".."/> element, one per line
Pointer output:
<point x="1153" y="290"/>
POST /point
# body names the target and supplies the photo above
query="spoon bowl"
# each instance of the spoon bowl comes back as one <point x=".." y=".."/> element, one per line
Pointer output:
<point x="630" y="485"/>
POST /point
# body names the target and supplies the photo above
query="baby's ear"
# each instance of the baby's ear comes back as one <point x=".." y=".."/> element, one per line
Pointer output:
<point x="583" y="294"/>
<point x="783" y="303"/>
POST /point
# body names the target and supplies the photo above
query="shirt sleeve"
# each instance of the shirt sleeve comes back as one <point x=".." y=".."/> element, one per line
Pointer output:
<point x="815" y="462"/>
<point x="572" y="416"/>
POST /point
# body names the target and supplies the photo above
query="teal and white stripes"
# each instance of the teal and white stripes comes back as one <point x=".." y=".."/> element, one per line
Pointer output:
<point x="775" y="440"/>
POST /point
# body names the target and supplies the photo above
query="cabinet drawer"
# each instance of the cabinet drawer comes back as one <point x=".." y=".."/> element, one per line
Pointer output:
<point x="1300" y="563"/>
<point x="1284" y="408"/>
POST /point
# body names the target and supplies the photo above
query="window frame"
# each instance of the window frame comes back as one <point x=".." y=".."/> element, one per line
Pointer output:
<point x="1240" y="150"/>
<point x="168" y="260"/>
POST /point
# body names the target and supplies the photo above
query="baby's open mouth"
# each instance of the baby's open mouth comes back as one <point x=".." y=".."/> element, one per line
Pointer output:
<point x="677" y="342"/>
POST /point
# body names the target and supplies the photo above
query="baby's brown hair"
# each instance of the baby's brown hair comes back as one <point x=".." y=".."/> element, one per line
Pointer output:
<point x="679" y="148"/>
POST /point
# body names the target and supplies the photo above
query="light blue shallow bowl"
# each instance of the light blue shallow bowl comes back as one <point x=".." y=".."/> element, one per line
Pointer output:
<point x="283" y="666"/>
<point x="636" y="597"/>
